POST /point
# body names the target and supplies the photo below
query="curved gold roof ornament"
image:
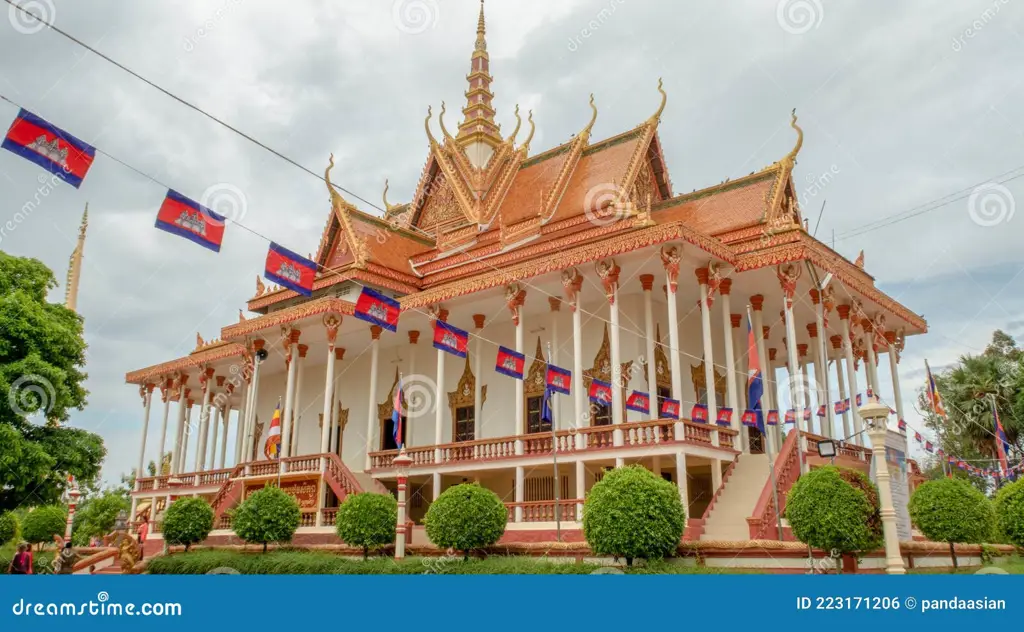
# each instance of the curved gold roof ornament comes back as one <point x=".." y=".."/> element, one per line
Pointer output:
<point x="533" y="128"/>
<point x="444" y="130"/>
<point x="791" y="156"/>
<point x="519" y="123"/>
<point x="593" y="118"/>
<point x="661" y="108"/>
<point x="426" y="124"/>
<point x="335" y="196"/>
<point x="387" y="206"/>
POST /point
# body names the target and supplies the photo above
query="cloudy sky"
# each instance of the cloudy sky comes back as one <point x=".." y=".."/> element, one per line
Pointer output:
<point x="913" y="109"/>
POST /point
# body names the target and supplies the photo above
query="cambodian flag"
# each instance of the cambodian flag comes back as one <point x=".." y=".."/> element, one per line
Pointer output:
<point x="807" y="414"/>
<point x="289" y="270"/>
<point x="860" y="400"/>
<point x="510" y="363"/>
<point x="559" y="379"/>
<point x="670" y="408"/>
<point x="821" y="411"/>
<point x="724" y="416"/>
<point x="917" y="437"/>
<point x="901" y="425"/>
<point x="374" y="307"/>
<point x="773" y="418"/>
<point x="755" y="380"/>
<point x="50" y="147"/>
<point x="749" y="418"/>
<point x="186" y="218"/>
<point x="699" y="413"/>
<point x="397" y="413"/>
<point x="791" y="416"/>
<point x="846" y="404"/>
<point x="871" y="393"/>
<point x="838" y="408"/>
<point x="639" y="402"/>
<point x="451" y="339"/>
<point x="1002" y="445"/>
<point x="928" y="446"/>
<point x="600" y="392"/>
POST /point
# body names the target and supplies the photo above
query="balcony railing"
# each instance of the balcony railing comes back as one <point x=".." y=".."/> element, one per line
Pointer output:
<point x="543" y="510"/>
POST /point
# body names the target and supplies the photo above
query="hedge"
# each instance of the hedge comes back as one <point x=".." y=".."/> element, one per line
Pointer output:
<point x="952" y="510"/>
<point x="466" y="517"/>
<point x="42" y="523"/>
<point x="267" y="515"/>
<point x="367" y="520"/>
<point x="1010" y="512"/>
<point x="828" y="513"/>
<point x="187" y="521"/>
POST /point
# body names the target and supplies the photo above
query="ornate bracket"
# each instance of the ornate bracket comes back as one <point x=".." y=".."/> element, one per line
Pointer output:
<point x="608" y="271"/>
<point x="671" y="256"/>
<point x="572" y="282"/>
<point x="515" y="297"/>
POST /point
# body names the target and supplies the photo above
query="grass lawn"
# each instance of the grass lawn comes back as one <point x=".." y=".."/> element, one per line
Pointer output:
<point x="1013" y="565"/>
<point x="298" y="562"/>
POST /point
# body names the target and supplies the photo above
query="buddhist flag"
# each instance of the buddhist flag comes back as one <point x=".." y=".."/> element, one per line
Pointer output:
<point x="272" y="446"/>
<point x="510" y="363"/>
<point x="451" y="339"/>
<point x="1002" y="445"/>
<point x="755" y="380"/>
<point x="724" y="416"/>
<point x="699" y="413"/>
<point x="290" y="270"/>
<point x="560" y="380"/>
<point x="398" y="414"/>
<point x="374" y="307"/>
<point x="773" y="418"/>
<point x="50" y="147"/>
<point x="932" y="393"/>
<point x="186" y="218"/>
<point x="600" y="392"/>
<point x="670" y="408"/>
<point x="639" y="402"/>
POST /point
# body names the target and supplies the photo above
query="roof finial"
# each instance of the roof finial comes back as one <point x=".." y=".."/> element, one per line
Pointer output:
<point x="519" y="123"/>
<point x="75" y="264"/>
<point x="481" y="28"/>
<point x="791" y="156"/>
<point x="426" y="124"/>
<point x="661" y="108"/>
<point x="387" y="206"/>
<point x="327" y="178"/>
<point x="533" y="128"/>
<point x="593" y="119"/>
<point x="444" y="130"/>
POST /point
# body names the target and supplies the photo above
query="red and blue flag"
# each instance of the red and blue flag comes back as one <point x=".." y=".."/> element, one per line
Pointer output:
<point x="50" y="147"/>
<point x="670" y="408"/>
<point x="374" y="307"/>
<point x="724" y="417"/>
<point x="699" y="412"/>
<point x="187" y="218"/>
<point x="510" y="363"/>
<point x="559" y="379"/>
<point x="917" y="437"/>
<point x="791" y="416"/>
<point x="290" y="270"/>
<point x="807" y="414"/>
<point x="860" y="400"/>
<point x="773" y="418"/>
<point x="755" y="380"/>
<point x="901" y="425"/>
<point x="928" y="446"/>
<point x="398" y="414"/>
<point x="1002" y="445"/>
<point x="600" y="392"/>
<point x="639" y="402"/>
<point x="821" y="411"/>
<point x="451" y="339"/>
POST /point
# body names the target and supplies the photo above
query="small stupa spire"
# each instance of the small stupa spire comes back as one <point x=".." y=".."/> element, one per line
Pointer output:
<point x="75" y="265"/>
<point x="478" y="127"/>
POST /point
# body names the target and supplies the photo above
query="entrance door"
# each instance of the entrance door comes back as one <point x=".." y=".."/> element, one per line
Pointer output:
<point x="755" y="441"/>
<point x="387" y="439"/>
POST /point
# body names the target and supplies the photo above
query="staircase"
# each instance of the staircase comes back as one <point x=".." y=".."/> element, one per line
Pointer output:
<point x="735" y="501"/>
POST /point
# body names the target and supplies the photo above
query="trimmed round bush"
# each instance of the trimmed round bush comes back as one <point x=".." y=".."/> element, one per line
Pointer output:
<point x="631" y="513"/>
<point x="829" y="513"/>
<point x="187" y="521"/>
<point x="267" y="515"/>
<point x="466" y="517"/>
<point x="367" y="520"/>
<point x="8" y="527"/>
<point x="42" y="523"/>
<point x="1010" y="512"/>
<point x="952" y="510"/>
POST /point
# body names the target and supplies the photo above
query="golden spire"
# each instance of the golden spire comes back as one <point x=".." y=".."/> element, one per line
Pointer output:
<point x="791" y="156"/>
<point x="593" y="118"/>
<point x="75" y="265"/>
<point x="478" y="124"/>
<point x="664" y="99"/>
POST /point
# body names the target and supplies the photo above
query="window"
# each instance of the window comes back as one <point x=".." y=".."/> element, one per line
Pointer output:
<point x="464" y="423"/>
<point x="387" y="439"/>
<point x="601" y="414"/>
<point x="663" y="393"/>
<point x="534" y="423"/>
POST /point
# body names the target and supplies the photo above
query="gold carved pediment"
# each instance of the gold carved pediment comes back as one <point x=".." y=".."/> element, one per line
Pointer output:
<point x="602" y="368"/>
<point x="700" y="382"/>
<point x="465" y="393"/>
<point x="536" y="379"/>
<point x="662" y="366"/>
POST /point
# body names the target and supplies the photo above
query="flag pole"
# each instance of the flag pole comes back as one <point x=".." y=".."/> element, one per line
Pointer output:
<point x="771" y="463"/>
<point x="554" y="457"/>
<point x="279" y="448"/>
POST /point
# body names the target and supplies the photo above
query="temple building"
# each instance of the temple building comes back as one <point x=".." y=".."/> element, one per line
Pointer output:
<point x="581" y="256"/>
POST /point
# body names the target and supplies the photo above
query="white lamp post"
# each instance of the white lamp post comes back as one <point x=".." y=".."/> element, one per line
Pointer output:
<point x="402" y="463"/>
<point x="875" y="415"/>
<point x="73" y="495"/>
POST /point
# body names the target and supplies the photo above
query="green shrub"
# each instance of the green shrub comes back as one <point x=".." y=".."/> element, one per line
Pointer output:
<point x="187" y="521"/>
<point x="368" y="521"/>
<point x="631" y="513"/>
<point x="8" y="527"/>
<point x="952" y="510"/>
<point x="466" y="517"/>
<point x="267" y="515"/>
<point x="1010" y="512"/>
<point x="42" y="523"/>
<point x="829" y="513"/>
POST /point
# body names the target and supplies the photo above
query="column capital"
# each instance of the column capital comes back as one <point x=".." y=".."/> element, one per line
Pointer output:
<point x="375" y="332"/>
<point x="802" y="349"/>
<point x="725" y="287"/>
<point x="555" y="303"/>
<point x="293" y="334"/>
<point x="647" y="282"/>
<point x="815" y="296"/>
<point x="515" y="297"/>
<point x="736" y="320"/>
<point x="437" y="312"/>
<point x="258" y="344"/>
<point x="837" y="342"/>
<point x="812" y="330"/>
<point x="843" y="311"/>
<point x="702" y="275"/>
<point x="414" y="336"/>
<point x="478" y="320"/>
<point x="772" y="352"/>
<point x="757" y="302"/>
<point x="766" y="331"/>
<point x="572" y="283"/>
<point x="671" y="256"/>
<point x="303" y="350"/>
<point x="339" y="353"/>
<point x="608" y="271"/>
<point x="220" y="381"/>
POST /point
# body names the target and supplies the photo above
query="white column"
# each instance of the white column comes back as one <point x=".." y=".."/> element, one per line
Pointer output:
<point x="516" y="307"/>
<point x="894" y="359"/>
<point x="478" y="380"/>
<point x="179" y="429"/>
<point x="673" y="347"/>
<point x="226" y="421"/>
<point x="251" y="408"/>
<point x="709" y="355"/>
<point x="292" y="360"/>
<point x="336" y="430"/>
<point x="647" y="282"/>
<point x="684" y="492"/>
<point x="437" y="485"/>
<point x="581" y="488"/>
<point x="730" y="367"/>
<point x="768" y="400"/>
<point x="876" y="414"/>
<point x="837" y="342"/>
<point x="796" y="395"/>
<point x="572" y="283"/>
<point x="204" y="422"/>
<point x="240" y="419"/>
<point x="439" y="408"/>
<point x="188" y="433"/>
<point x="331" y="322"/>
<point x="371" y="413"/>
<point x="165" y="396"/>
<point x="616" y="353"/>
<point x="820" y="376"/>
<point x="807" y="426"/>
<point x="214" y="426"/>
<point x="147" y="401"/>
<point x="297" y="408"/>
<point x="716" y="474"/>
<point x="870" y="368"/>
<point x="520" y="492"/>
<point x="851" y="372"/>
<point x="823" y="386"/>
<point x="555" y="303"/>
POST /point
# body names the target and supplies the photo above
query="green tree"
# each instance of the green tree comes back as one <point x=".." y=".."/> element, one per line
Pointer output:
<point x="951" y="510"/>
<point x="367" y="520"/>
<point x="96" y="515"/>
<point x="8" y="527"/>
<point x="829" y="513"/>
<point x="42" y="523"/>
<point x="466" y="517"/>
<point x="1010" y="512"/>
<point x="187" y="521"/>
<point x="42" y="353"/>
<point x="631" y="513"/>
<point x="267" y="515"/>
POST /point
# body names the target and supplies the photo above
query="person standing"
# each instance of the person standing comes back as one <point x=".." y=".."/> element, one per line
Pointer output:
<point x="142" y="534"/>
<point x="21" y="564"/>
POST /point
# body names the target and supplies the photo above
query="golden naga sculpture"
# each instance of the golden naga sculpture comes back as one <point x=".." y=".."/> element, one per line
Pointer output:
<point x="260" y="288"/>
<point x="519" y="123"/>
<point x="593" y="118"/>
<point x="791" y="156"/>
<point x="661" y="108"/>
<point x="444" y="130"/>
<point x="426" y="124"/>
<point x="533" y="128"/>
